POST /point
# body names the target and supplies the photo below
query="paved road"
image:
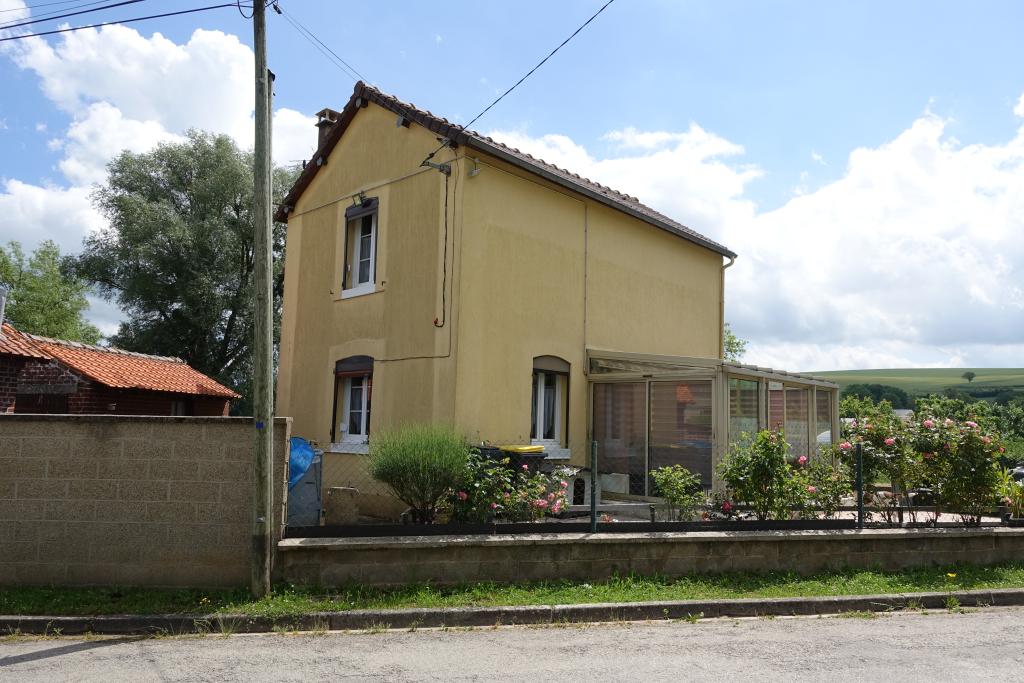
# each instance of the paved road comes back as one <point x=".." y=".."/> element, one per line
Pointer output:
<point x="983" y="645"/>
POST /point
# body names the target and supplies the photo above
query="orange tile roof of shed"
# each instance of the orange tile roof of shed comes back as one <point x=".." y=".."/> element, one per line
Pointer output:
<point x="15" y="343"/>
<point x="129" y="370"/>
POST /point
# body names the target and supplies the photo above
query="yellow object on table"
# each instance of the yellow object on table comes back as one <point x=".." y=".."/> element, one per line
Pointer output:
<point x="522" y="449"/>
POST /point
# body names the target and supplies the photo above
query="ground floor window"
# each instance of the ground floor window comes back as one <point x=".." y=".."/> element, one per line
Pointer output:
<point x="353" y="393"/>
<point x="549" y="400"/>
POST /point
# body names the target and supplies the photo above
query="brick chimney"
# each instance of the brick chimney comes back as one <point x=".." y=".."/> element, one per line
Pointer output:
<point x="325" y="120"/>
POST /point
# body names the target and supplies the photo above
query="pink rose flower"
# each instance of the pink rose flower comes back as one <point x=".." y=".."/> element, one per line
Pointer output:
<point x="947" y="422"/>
<point x="540" y="503"/>
<point x="551" y="496"/>
<point x="556" y="508"/>
<point x="812" y="489"/>
<point x="890" y="441"/>
<point x="929" y="423"/>
<point x="463" y="495"/>
<point x="494" y="506"/>
<point x="853" y="423"/>
<point x="525" y="466"/>
<point x="970" y="424"/>
<point x="845" y="446"/>
<point x="986" y="440"/>
<point x="928" y="456"/>
<point x="564" y="484"/>
<point x="726" y="506"/>
<point x="507" y="495"/>
<point x="802" y="460"/>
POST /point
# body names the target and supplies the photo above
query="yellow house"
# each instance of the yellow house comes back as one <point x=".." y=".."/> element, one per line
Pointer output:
<point x="433" y="274"/>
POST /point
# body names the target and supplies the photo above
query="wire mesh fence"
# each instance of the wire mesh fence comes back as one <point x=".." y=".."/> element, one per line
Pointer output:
<point x="612" y="487"/>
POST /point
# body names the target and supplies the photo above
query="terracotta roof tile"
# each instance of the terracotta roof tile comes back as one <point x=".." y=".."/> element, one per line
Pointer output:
<point x="459" y="135"/>
<point x="15" y="343"/>
<point x="129" y="370"/>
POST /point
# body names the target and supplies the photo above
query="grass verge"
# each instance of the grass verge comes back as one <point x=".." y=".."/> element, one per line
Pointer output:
<point x="292" y="600"/>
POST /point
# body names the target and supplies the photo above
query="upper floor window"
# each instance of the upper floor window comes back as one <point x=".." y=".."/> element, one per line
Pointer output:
<point x="549" y="400"/>
<point x="359" y="274"/>
<point x="353" y="389"/>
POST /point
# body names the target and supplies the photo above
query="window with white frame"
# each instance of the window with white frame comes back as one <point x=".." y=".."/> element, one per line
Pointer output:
<point x="359" y="274"/>
<point x="549" y="401"/>
<point x="353" y="391"/>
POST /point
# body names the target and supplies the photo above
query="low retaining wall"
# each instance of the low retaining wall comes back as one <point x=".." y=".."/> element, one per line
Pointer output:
<point x="125" y="500"/>
<point x="540" y="557"/>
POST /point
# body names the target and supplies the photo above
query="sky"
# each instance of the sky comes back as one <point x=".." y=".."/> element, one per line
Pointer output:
<point x="864" y="159"/>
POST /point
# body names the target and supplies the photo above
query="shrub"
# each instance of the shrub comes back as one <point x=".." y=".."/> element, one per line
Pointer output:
<point x="492" y="488"/>
<point x="420" y="463"/>
<point x="757" y="473"/>
<point x="818" y="485"/>
<point x="681" y="490"/>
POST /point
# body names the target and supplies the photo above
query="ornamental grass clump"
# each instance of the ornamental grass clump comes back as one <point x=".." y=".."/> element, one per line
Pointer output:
<point x="421" y="464"/>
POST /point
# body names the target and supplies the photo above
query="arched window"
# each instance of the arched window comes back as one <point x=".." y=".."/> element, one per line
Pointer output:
<point x="549" y="413"/>
<point x="353" y="389"/>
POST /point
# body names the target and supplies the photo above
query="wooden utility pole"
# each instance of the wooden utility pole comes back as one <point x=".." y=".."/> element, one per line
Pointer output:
<point x="263" y="327"/>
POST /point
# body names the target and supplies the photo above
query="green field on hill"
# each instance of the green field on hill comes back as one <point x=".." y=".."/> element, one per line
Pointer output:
<point x="919" y="381"/>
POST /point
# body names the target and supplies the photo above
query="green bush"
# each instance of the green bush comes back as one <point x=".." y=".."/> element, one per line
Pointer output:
<point x="681" y="490"/>
<point x="757" y="474"/>
<point x="421" y="464"/>
<point x="491" y="489"/>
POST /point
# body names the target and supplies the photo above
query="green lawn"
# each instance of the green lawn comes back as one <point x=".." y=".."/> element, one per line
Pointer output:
<point x="287" y="601"/>
<point x="929" y="380"/>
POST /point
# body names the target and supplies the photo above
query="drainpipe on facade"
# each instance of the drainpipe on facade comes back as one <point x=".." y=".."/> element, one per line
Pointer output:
<point x="721" y="317"/>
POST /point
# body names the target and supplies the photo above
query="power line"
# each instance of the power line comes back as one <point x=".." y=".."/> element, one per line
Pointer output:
<point x="350" y="70"/>
<point x="51" y="13"/>
<point x="36" y="20"/>
<point x="43" y="4"/>
<point x="122" y="21"/>
<point x="529" y="73"/>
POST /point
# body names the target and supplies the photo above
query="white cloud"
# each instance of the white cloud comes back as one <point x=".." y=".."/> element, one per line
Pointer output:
<point x="817" y="158"/>
<point x="913" y="258"/>
<point x="40" y="127"/>
<point x="438" y="38"/>
<point x="1019" y="109"/>
<point x="123" y="90"/>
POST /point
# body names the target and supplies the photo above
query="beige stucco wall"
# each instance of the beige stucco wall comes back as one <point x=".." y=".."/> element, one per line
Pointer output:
<point x="547" y="272"/>
<point x="125" y="500"/>
<point x="397" y="321"/>
<point x="533" y="269"/>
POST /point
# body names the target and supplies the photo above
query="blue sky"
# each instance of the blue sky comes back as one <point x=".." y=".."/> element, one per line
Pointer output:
<point x="770" y="118"/>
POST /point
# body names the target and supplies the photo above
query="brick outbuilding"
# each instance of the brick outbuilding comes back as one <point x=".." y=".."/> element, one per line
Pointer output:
<point x="43" y="375"/>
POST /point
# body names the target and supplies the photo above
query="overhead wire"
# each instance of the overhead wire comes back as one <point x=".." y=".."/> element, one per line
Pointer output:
<point x="42" y="4"/>
<point x="41" y="15"/>
<point x="120" y="21"/>
<point x="528" y="74"/>
<point x="37" y="19"/>
<point x="334" y="57"/>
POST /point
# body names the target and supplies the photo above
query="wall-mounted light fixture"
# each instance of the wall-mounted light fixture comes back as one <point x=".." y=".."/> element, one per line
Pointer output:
<point x="476" y="168"/>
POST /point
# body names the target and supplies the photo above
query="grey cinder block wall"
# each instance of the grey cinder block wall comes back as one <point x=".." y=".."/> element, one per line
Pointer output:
<point x="123" y="500"/>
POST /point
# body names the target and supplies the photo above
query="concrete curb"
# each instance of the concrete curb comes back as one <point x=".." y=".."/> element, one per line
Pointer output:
<point x="176" y="624"/>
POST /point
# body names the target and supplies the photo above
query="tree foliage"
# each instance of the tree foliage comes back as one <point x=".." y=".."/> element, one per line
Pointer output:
<point x="45" y="298"/>
<point x="969" y="376"/>
<point x="734" y="346"/>
<point x="879" y="392"/>
<point x="177" y="255"/>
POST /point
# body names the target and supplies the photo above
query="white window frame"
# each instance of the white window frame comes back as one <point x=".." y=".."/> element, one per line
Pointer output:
<point x="364" y="423"/>
<point x="560" y="379"/>
<point x="352" y="266"/>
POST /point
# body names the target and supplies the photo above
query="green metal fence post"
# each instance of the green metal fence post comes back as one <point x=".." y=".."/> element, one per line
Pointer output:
<point x="593" y="487"/>
<point x="860" y="485"/>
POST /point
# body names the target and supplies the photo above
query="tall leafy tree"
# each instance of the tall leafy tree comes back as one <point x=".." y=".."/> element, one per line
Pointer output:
<point x="177" y="255"/>
<point x="45" y="298"/>
<point x="734" y="346"/>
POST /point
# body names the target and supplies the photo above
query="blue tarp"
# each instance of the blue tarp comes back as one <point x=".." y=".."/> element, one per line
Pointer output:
<point x="299" y="461"/>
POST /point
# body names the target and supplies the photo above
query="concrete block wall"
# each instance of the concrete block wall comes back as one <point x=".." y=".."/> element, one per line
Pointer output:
<point x="125" y="500"/>
<point x="544" y="557"/>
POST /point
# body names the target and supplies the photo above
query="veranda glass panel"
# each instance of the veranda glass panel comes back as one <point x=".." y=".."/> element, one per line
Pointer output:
<point x="620" y="429"/>
<point x="823" y="419"/>
<point x="681" y="426"/>
<point x="743" y="409"/>
<point x="776" y="405"/>
<point x="797" y="421"/>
